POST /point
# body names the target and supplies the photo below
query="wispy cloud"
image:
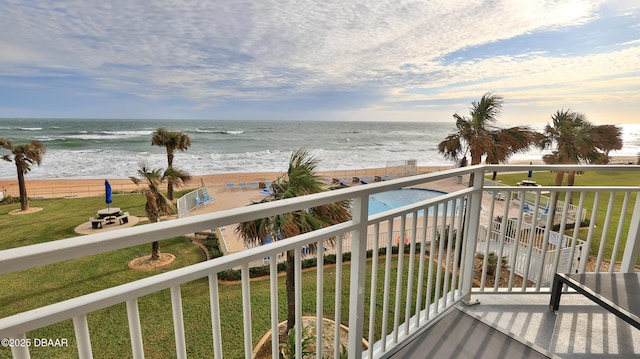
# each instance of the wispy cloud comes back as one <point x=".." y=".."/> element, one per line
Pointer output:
<point x="211" y="55"/>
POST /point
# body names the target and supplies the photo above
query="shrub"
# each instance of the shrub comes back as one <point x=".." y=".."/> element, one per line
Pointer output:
<point x="213" y="246"/>
<point x="288" y="349"/>
<point x="568" y="226"/>
<point x="10" y="200"/>
<point x="492" y="263"/>
<point x="235" y="274"/>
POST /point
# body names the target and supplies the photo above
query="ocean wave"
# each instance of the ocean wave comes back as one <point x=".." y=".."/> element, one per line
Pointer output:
<point x="221" y="132"/>
<point x="128" y="133"/>
<point x="31" y="129"/>
<point x="109" y="135"/>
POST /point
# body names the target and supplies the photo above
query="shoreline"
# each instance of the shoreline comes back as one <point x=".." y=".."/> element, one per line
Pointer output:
<point x="86" y="187"/>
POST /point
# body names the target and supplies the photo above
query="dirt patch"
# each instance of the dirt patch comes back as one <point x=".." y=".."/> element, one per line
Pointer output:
<point x="29" y="210"/>
<point x="145" y="262"/>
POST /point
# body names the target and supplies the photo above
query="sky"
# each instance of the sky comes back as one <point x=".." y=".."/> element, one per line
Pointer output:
<point x="378" y="60"/>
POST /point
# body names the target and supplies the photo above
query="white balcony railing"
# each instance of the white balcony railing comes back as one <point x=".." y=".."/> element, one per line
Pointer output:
<point x="439" y="270"/>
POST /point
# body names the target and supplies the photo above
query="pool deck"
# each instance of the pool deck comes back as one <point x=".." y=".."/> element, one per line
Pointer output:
<point x="232" y="242"/>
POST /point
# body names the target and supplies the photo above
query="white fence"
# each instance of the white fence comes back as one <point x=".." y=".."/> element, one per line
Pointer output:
<point x="189" y="201"/>
<point x="527" y="253"/>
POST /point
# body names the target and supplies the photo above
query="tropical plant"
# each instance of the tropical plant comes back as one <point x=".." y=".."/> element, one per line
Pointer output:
<point x="157" y="203"/>
<point x="24" y="156"/>
<point x="578" y="141"/>
<point x="478" y="137"/>
<point x="492" y="263"/>
<point x="172" y="140"/>
<point x="300" y="180"/>
<point x="288" y="349"/>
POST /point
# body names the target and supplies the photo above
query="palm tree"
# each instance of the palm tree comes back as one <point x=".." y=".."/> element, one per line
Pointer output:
<point x="24" y="156"/>
<point x="172" y="140"/>
<point x="578" y="141"/>
<point x="478" y="137"/>
<point x="157" y="203"/>
<point x="300" y="180"/>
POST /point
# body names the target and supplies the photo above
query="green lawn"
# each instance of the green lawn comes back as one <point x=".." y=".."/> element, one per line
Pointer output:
<point x="608" y="178"/>
<point x="110" y="338"/>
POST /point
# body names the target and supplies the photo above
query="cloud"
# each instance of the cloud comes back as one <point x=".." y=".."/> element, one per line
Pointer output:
<point x="377" y="53"/>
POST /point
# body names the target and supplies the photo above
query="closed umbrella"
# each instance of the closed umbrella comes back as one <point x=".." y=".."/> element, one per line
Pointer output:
<point x="107" y="193"/>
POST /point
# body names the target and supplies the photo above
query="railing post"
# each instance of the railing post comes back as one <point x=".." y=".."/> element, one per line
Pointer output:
<point x="358" y="276"/>
<point x="632" y="247"/>
<point x="470" y="235"/>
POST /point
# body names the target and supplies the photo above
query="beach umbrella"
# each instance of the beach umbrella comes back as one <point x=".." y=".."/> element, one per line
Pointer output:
<point x="107" y="193"/>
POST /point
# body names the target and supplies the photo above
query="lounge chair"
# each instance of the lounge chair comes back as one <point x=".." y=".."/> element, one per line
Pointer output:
<point x="207" y="198"/>
<point x="199" y="201"/>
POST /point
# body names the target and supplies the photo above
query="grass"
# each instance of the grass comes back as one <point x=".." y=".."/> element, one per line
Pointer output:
<point x="110" y="336"/>
<point x="49" y="284"/>
<point x="604" y="178"/>
<point x="57" y="219"/>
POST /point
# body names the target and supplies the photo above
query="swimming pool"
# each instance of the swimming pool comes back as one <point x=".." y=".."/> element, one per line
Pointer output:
<point x="384" y="201"/>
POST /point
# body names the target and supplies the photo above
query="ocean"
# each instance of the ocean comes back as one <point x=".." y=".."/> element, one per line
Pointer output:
<point x="114" y="148"/>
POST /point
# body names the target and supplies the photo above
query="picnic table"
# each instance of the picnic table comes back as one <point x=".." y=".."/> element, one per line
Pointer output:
<point x="109" y="214"/>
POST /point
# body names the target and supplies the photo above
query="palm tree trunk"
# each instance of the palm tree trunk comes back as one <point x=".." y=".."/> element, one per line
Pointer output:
<point x="170" y="190"/>
<point x="24" y="201"/>
<point x="559" y="178"/>
<point x="155" y="251"/>
<point x="554" y="204"/>
<point x="571" y="180"/>
<point x="291" y="293"/>
<point x="170" y="166"/>
<point x="155" y="246"/>
<point x="475" y="160"/>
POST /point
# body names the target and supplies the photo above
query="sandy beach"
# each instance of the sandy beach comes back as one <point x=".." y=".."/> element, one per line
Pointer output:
<point x="84" y="187"/>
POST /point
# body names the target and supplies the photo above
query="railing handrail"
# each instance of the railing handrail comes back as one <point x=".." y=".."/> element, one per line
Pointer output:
<point x="52" y="313"/>
<point x="35" y="255"/>
<point x="564" y="168"/>
<point x="447" y="289"/>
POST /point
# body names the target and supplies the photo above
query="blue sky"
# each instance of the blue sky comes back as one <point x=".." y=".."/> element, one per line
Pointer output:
<point x="387" y="60"/>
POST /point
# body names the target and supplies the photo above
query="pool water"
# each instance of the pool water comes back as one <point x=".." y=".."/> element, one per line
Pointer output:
<point x="384" y="201"/>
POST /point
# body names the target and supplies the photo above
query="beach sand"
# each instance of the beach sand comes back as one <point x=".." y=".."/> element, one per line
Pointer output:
<point x="84" y="187"/>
